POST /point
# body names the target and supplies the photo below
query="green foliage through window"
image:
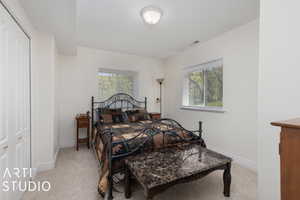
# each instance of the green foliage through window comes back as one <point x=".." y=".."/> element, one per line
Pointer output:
<point x="112" y="83"/>
<point x="205" y="87"/>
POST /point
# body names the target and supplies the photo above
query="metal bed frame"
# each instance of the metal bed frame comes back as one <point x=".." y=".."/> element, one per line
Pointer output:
<point x="120" y="100"/>
<point x="125" y="102"/>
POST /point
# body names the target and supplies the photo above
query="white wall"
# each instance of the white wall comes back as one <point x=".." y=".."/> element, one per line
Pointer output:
<point x="56" y="104"/>
<point x="233" y="132"/>
<point x="78" y="83"/>
<point x="279" y="83"/>
<point x="42" y="82"/>
<point x="45" y="105"/>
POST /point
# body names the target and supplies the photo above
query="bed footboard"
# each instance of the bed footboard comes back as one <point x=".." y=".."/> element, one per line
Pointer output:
<point x="156" y="129"/>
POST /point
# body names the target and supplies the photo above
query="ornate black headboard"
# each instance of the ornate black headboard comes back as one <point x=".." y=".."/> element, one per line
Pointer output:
<point x="121" y="100"/>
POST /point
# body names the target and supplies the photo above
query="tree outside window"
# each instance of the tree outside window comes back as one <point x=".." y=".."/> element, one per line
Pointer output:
<point x="205" y="85"/>
<point x="110" y="83"/>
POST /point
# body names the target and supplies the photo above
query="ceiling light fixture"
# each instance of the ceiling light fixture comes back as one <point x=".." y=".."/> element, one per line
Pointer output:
<point x="151" y="14"/>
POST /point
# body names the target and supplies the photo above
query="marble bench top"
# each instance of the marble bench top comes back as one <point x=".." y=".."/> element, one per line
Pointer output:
<point x="160" y="167"/>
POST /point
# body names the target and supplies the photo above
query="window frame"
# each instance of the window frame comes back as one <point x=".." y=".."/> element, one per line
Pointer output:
<point x="185" y="87"/>
<point x="133" y="74"/>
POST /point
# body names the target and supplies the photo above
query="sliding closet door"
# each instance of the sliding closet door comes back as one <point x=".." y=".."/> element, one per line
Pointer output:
<point x="3" y="100"/>
<point x="18" y="103"/>
<point x="14" y="103"/>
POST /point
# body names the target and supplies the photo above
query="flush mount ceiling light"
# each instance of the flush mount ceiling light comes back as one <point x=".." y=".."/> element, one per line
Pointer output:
<point x="151" y="14"/>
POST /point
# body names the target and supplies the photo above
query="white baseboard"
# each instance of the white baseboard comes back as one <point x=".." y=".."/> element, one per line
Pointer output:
<point x="48" y="165"/>
<point x="43" y="167"/>
<point x="244" y="162"/>
<point x="68" y="146"/>
<point x="34" y="172"/>
<point x="55" y="156"/>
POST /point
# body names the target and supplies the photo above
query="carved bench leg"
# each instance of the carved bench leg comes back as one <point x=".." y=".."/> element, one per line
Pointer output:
<point x="127" y="183"/>
<point x="227" y="180"/>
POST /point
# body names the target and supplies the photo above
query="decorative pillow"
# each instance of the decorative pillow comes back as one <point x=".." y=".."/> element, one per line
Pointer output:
<point x="97" y="115"/>
<point x="132" y="118"/>
<point x="131" y="115"/>
<point x="116" y="115"/>
<point x="125" y="117"/>
<point x="141" y="110"/>
<point x="147" y="116"/>
<point x="131" y="112"/>
<point x="143" y="114"/>
<point x="117" y="118"/>
<point x="137" y="115"/>
<point x="101" y="111"/>
<point x="106" y="118"/>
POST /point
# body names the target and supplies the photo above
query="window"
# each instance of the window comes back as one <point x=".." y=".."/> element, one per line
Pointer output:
<point x="115" y="81"/>
<point x="203" y="85"/>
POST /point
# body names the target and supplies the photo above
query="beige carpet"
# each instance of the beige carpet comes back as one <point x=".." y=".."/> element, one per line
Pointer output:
<point x="75" y="178"/>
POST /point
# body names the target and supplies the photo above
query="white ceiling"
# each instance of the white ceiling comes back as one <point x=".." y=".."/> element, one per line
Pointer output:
<point x="116" y="24"/>
<point x="57" y="17"/>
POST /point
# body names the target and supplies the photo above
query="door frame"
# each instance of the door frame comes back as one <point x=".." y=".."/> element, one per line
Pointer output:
<point x="10" y="12"/>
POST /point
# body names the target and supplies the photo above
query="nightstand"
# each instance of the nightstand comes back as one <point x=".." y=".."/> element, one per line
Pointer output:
<point x="83" y="121"/>
<point x="155" y="116"/>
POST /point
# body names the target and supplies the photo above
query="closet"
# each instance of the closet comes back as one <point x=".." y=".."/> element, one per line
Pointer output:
<point x="14" y="102"/>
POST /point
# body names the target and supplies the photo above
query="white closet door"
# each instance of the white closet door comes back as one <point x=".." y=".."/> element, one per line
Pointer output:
<point x="3" y="101"/>
<point x="20" y="106"/>
<point x="14" y="103"/>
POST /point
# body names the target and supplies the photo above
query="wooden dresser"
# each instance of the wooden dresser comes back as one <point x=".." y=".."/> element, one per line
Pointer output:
<point x="289" y="150"/>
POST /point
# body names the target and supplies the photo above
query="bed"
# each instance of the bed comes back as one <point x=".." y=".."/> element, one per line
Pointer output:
<point x="130" y="131"/>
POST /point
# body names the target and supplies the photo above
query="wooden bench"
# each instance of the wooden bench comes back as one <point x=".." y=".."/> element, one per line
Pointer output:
<point x="156" y="171"/>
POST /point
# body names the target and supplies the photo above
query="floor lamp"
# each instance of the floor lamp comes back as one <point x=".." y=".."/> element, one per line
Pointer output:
<point x="160" y="81"/>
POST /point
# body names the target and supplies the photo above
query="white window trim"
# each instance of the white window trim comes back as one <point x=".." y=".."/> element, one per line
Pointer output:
<point x="184" y="90"/>
<point x="204" y="108"/>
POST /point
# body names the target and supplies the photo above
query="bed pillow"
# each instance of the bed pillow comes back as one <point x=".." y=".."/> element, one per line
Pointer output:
<point x="131" y="114"/>
<point x="125" y="117"/>
<point x="107" y="118"/>
<point x="116" y="115"/>
<point x="117" y="118"/>
<point x="137" y="115"/>
<point x="101" y="111"/>
<point x="143" y="115"/>
<point x="132" y="118"/>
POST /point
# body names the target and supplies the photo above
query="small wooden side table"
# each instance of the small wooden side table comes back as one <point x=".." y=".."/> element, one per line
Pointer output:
<point x="155" y="116"/>
<point x="83" y="121"/>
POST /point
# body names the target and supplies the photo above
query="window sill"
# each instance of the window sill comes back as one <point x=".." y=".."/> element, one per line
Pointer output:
<point x="204" y="109"/>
